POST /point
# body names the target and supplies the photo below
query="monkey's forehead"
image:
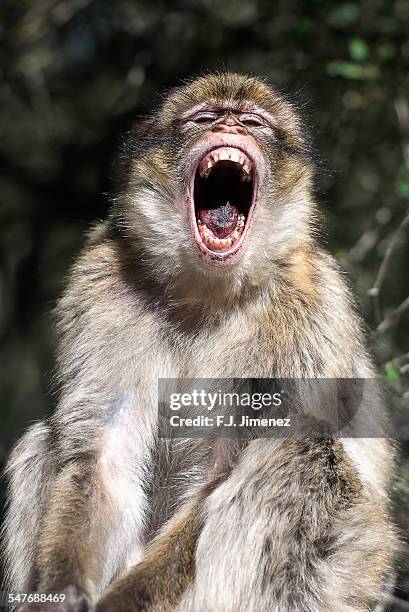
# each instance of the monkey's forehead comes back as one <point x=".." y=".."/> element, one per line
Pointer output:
<point x="229" y="90"/>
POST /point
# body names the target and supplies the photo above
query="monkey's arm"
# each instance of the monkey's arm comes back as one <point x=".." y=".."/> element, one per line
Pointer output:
<point x="82" y="521"/>
<point x="292" y="528"/>
<point x="159" y="581"/>
<point x="84" y="530"/>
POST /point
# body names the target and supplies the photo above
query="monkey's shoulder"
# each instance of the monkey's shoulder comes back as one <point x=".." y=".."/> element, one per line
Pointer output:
<point x="311" y="278"/>
<point x="314" y="311"/>
<point x="103" y="289"/>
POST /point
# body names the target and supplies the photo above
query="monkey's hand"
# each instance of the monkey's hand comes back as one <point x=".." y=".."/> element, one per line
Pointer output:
<point x="146" y="588"/>
<point x="159" y="581"/>
<point x="75" y="601"/>
<point x="129" y="598"/>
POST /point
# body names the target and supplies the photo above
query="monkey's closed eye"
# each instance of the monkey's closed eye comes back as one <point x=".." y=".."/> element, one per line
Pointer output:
<point x="204" y="117"/>
<point x="252" y="120"/>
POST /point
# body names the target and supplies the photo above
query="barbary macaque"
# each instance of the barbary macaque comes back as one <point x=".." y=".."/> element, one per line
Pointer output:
<point x="208" y="266"/>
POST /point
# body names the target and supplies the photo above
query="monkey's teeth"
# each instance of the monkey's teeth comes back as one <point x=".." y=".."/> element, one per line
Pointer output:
<point x="204" y="172"/>
<point x="221" y="244"/>
<point x="240" y="222"/>
<point x="226" y="154"/>
<point x="246" y="173"/>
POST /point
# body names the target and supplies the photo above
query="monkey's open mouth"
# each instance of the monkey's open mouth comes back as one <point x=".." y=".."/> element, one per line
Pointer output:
<point x="223" y="195"/>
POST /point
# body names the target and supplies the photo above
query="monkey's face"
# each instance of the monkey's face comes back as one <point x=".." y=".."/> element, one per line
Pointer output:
<point x="225" y="169"/>
<point x="227" y="178"/>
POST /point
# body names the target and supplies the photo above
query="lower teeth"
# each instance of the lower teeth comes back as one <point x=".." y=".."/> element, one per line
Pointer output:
<point x="221" y="243"/>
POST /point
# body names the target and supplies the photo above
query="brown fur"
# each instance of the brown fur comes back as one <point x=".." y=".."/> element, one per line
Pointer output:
<point x="296" y="524"/>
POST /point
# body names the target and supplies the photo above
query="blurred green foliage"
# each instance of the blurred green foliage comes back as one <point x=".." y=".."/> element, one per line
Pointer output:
<point x="74" y="74"/>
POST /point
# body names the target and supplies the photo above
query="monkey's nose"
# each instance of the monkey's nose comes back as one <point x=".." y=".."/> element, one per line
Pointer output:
<point x="230" y="129"/>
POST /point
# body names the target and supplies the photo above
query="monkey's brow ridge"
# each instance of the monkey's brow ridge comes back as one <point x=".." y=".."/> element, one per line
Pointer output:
<point x="228" y="105"/>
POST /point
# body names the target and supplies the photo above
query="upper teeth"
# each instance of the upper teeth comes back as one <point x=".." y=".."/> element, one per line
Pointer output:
<point x="226" y="153"/>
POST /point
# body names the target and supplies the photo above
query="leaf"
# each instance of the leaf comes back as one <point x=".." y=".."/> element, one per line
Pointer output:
<point x="358" y="50"/>
<point x="387" y="52"/>
<point x="346" y="14"/>
<point x="350" y="70"/>
<point x="392" y="374"/>
<point x="402" y="182"/>
<point x="402" y="187"/>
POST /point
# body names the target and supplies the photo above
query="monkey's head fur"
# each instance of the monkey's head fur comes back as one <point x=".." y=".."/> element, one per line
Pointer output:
<point x="218" y="184"/>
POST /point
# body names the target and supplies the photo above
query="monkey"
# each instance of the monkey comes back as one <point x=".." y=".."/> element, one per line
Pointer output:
<point x="209" y="265"/>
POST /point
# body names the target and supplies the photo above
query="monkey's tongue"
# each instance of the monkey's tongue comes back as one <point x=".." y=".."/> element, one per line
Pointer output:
<point x="222" y="220"/>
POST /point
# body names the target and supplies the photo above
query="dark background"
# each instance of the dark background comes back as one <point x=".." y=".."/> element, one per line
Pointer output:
<point x="73" y="74"/>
